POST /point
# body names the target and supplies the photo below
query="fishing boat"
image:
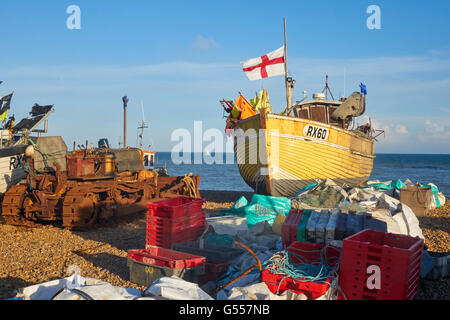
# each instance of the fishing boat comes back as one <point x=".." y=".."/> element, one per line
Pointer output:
<point x="311" y="140"/>
<point x="15" y="138"/>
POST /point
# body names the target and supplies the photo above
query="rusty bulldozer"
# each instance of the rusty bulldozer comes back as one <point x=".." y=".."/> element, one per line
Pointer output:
<point x="86" y="188"/>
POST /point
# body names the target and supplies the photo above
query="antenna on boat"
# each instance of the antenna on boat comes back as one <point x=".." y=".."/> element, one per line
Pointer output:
<point x="327" y="89"/>
<point x="142" y="127"/>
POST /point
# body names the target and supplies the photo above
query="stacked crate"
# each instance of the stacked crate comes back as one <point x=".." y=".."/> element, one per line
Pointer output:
<point x="174" y="220"/>
<point x="380" y="266"/>
<point x="170" y="221"/>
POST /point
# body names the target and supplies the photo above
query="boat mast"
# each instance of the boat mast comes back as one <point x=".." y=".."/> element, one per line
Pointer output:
<point x="288" y="81"/>
<point x="142" y="127"/>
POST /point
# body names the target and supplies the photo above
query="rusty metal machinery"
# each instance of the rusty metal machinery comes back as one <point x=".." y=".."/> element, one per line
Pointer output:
<point x="98" y="185"/>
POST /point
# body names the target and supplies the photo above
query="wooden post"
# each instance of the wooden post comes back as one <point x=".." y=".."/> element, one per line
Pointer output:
<point x="125" y="102"/>
<point x="125" y="126"/>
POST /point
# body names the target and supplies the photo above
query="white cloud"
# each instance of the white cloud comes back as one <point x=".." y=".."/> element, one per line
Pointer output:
<point x="433" y="127"/>
<point x="115" y="72"/>
<point x="434" y="133"/>
<point x="204" y="44"/>
<point x="401" y="129"/>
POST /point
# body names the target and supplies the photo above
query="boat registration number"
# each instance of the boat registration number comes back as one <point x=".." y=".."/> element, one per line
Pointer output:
<point x="316" y="132"/>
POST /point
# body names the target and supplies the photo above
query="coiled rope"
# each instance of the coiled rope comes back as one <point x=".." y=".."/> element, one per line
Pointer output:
<point x="303" y="270"/>
<point x="189" y="187"/>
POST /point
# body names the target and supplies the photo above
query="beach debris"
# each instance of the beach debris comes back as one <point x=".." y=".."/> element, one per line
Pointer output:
<point x="229" y="225"/>
<point x="264" y="243"/>
<point x="260" y="208"/>
<point x="373" y="199"/>
<point x="326" y="194"/>
<point x="77" y="287"/>
<point x="278" y="223"/>
<point x="393" y="189"/>
<point x="256" y="291"/>
<point x="174" y="288"/>
<point x="256" y="265"/>
<point x="327" y="227"/>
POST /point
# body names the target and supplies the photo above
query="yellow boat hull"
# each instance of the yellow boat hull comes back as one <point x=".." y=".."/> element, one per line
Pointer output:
<point x="279" y="155"/>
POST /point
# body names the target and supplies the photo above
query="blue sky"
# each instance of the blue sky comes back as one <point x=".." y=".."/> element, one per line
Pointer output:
<point x="181" y="57"/>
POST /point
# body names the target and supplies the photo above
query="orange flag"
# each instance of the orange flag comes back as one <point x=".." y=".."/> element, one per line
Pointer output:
<point x="244" y="107"/>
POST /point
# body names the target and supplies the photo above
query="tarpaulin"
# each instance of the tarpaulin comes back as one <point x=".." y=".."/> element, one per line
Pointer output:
<point x="260" y="208"/>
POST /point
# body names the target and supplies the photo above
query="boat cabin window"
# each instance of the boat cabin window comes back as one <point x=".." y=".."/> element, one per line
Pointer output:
<point x="317" y="112"/>
<point x="146" y="161"/>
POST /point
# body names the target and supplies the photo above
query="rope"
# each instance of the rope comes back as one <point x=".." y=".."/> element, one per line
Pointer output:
<point x="256" y="265"/>
<point x="31" y="174"/>
<point x="45" y="157"/>
<point x="190" y="187"/>
<point x="303" y="270"/>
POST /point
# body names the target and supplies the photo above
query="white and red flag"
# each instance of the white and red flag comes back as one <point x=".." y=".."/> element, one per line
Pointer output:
<point x="269" y="65"/>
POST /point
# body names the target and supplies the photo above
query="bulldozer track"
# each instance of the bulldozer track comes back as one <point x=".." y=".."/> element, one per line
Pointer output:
<point x="12" y="204"/>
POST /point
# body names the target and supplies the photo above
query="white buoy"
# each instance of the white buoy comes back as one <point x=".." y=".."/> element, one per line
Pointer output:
<point x="29" y="151"/>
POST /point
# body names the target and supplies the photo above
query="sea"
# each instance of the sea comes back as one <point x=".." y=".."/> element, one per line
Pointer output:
<point x="423" y="168"/>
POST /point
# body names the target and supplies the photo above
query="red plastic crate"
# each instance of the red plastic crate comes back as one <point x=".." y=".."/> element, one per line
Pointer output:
<point x="166" y="258"/>
<point x="213" y="271"/>
<point x="175" y="231"/>
<point x="157" y="234"/>
<point x="175" y="207"/>
<point x="178" y="235"/>
<point x="398" y="257"/>
<point x="172" y="225"/>
<point x="278" y="283"/>
<point x="289" y="227"/>
<point x="187" y="235"/>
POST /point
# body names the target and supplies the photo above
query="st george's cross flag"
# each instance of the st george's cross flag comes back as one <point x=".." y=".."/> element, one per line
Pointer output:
<point x="269" y="65"/>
